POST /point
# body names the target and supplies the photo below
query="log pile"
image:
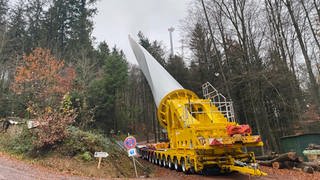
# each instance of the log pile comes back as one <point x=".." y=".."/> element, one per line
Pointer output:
<point x="313" y="153"/>
<point x="288" y="160"/>
<point x="313" y="147"/>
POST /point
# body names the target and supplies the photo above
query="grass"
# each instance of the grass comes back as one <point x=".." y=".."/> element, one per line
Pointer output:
<point x="73" y="156"/>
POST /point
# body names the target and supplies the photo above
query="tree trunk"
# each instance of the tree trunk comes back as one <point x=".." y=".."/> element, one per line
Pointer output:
<point x="310" y="24"/>
<point x="266" y="157"/>
<point x="314" y="85"/>
<point x="216" y="51"/>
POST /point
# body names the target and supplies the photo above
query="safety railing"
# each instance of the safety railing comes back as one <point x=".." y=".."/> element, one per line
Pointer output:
<point x="220" y="101"/>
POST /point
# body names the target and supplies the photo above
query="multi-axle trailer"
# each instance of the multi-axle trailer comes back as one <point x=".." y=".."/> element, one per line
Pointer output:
<point x="203" y="135"/>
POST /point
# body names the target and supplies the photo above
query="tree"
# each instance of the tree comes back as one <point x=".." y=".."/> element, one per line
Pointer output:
<point x="12" y="36"/>
<point x="102" y="93"/>
<point x="45" y="82"/>
<point x="69" y="27"/>
<point x="154" y="48"/>
<point x="35" y="14"/>
<point x="16" y="44"/>
<point x="252" y="49"/>
<point x="177" y="68"/>
<point x="103" y="52"/>
<point x="43" y="79"/>
<point x="312" y="79"/>
<point x="139" y="106"/>
<point x="201" y="47"/>
<point x="3" y="12"/>
<point x="3" y="39"/>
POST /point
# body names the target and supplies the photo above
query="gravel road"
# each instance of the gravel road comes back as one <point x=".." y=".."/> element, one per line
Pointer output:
<point x="12" y="169"/>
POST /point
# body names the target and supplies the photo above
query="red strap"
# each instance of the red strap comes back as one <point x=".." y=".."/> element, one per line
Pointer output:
<point x="239" y="129"/>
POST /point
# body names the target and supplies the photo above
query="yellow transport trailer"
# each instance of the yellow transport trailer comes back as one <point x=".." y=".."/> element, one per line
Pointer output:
<point x="203" y="135"/>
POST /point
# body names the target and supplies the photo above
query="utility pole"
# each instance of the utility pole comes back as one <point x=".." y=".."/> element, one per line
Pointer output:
<point x="171" y="29"/>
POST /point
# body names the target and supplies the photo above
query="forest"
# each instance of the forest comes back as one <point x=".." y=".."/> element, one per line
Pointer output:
<point x="263" y="55"/>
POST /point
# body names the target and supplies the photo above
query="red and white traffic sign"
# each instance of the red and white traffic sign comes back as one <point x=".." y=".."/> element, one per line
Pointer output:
<point x="130" y="142"/>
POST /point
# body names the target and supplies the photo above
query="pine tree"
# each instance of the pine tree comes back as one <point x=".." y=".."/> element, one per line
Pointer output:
<point x="102" y="94"/>
<point x="154" y="48"/>
<point x="35" y="14"/>
<point x="69" y="27"/>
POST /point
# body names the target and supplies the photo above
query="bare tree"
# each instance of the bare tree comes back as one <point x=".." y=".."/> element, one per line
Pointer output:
<point x="314" y="85"/>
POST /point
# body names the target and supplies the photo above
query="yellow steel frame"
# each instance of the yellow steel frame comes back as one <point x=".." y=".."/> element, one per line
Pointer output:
<point x="189" y="135"/>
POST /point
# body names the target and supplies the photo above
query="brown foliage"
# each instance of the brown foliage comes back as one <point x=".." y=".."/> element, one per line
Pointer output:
<point x="43" y="78"/>
<point x="53" y="128"/>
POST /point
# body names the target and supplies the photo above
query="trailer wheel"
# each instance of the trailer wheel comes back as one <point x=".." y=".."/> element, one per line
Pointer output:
<point x="170" y="164"/>
<point x="192" y="170"/>
<point x="164" y="162"/>
<point x="145" y="155"/>
<point x="154" y="159"/>
<point x="158" y="161"/>
<point x="192" y="167"/>
<point x="184" y="167"/>
<point x="177" y="167"/>
<point x="150" y="157"/>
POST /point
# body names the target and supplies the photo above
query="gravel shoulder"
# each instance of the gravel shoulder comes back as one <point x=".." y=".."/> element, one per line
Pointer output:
<point x="15" y="169"/>
<point x="11" y="169"/>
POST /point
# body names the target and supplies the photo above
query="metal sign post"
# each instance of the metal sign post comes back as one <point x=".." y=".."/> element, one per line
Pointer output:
<point x="132" y="153"/>
<point x="135" y="167"/>
<point x="130" y="143"/>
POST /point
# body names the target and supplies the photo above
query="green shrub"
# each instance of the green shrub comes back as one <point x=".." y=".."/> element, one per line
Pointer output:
<point x="80" y="142"/>
<point x="86" y="156"/>
<point x="20" y="143"/>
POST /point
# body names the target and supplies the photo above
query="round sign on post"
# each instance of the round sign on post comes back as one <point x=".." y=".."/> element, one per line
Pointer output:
<point x="130" y="142"/>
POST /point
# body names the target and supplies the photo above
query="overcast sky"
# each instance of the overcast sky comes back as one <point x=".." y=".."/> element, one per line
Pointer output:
<point x="116" y="19"/>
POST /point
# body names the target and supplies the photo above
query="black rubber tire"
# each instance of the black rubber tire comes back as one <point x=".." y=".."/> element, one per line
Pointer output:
<point x="170" y="164"/>
<point x="150" y="158"/>
<point x="154" y="159"/>
<point x="158" y="161"/>
<point x="192" y="170"/>
<point x="177" y="167"/>
<point x="183" y="167"/>
<point x="164" y="162"/>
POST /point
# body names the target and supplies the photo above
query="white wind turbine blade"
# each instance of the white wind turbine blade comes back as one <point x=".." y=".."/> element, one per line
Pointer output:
<point x="160" y="81"/>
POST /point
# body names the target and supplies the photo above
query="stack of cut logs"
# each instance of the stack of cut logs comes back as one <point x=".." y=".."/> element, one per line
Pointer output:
<point x="288" y="160"/>
<point x="313" y="147"/>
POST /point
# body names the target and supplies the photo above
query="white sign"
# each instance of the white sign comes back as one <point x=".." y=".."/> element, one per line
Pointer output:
<point x="33" y="124"/>
<point x="101" y="154"/>
<point x="132" y="152"/>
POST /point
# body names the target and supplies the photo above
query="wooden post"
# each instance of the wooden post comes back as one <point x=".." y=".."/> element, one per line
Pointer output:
<point x="100" y="155"/>
<point x="99" y="163"/>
